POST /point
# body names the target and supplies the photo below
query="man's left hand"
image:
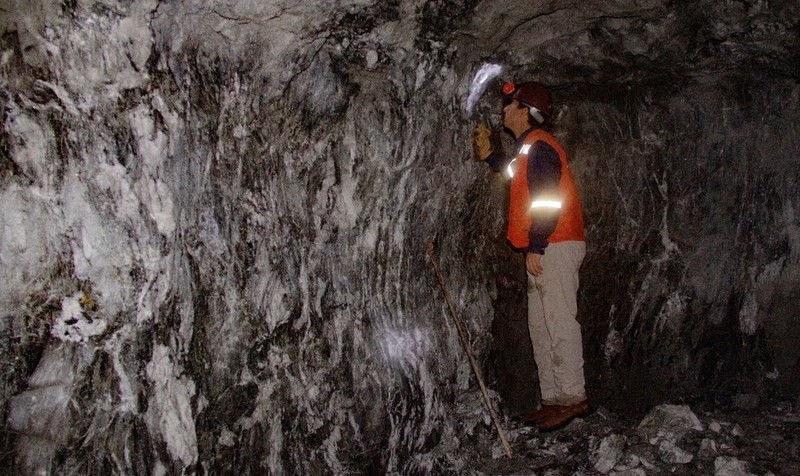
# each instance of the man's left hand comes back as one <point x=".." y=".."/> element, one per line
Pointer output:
<point x="482" y="141"/>
<point x="533" y="262"/>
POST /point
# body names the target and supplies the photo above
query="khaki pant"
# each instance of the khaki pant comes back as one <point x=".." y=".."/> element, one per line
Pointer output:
<point x="555" y="332"/>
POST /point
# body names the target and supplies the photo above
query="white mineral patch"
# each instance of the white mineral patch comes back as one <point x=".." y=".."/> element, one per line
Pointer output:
<point x="134" y="33"/>
<point x="113" y="178"/>
<point x="226" y="438"/>
<point x="730" y="466"/>
<point x="372" y="59"/>
<point x="671" y="453"/>
<point x="28" y="241"/>
<point x="608" y="453"/>
<point x="668" y="422"/>
<point x="748" y="315"/>
<point x="171" y="408"/>
<point x="57" y="366"/>
<point x="40" y="411"/>
<point x="331" y="445"/>
<point x="613" y="345"/>
<point x="276" y="443"/>
<point x="672" y="312"/>
<point x="30" y="144"/>
<point x="100" y="251"/>
<point x="129" y="400"/>
<point x="73" y="325"/>
<point x="708" y="448"/>
<point x="750" y="319"/>
<point x="153" y="149"/>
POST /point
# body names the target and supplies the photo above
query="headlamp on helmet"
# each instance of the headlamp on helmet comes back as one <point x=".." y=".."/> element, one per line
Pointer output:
<point x="532" y="95"/>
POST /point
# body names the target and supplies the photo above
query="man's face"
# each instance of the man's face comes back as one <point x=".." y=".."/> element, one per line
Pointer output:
<point x="514" y="115"/>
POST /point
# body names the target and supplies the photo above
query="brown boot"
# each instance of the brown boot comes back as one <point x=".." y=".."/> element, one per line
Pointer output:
<point x="564" y="415"/>
<point x="540" y="414"/>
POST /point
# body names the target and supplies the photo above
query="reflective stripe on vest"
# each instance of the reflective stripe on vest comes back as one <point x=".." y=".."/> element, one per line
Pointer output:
<point x="522" y="151"/>
<point x="510" y="168"/>
<point x="546" y="204"/>
<point x="522" y="206"/>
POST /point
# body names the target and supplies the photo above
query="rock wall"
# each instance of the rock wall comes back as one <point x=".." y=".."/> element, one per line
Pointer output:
<point x="695" y="228"/>
<point x="216" y="250"/>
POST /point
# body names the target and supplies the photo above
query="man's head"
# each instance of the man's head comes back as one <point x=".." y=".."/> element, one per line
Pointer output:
<point x="531" y="96"/>
<point x="515" y="117"/>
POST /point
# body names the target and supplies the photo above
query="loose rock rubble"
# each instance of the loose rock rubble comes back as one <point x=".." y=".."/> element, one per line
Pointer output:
<point x="670" y="439"/>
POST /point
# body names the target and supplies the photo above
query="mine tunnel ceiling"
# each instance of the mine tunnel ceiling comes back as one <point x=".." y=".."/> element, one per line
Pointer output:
<point x="594" y="42"/>
<point x="576" y="46"/>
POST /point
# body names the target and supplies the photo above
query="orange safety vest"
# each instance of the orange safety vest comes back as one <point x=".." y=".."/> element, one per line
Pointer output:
<point x="570" y="222"/>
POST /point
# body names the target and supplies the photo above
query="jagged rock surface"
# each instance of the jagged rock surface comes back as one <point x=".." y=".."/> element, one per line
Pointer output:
<point x="607" y="443"/>
<point x="215" y="219"/>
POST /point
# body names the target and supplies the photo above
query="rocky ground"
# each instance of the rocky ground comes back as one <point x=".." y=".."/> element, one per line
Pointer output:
<point x="691" y="439"/>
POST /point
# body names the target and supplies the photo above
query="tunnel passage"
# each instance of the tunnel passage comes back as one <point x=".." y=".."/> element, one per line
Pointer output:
<point x="215" y="218"/>
<point x="680" y="195"/>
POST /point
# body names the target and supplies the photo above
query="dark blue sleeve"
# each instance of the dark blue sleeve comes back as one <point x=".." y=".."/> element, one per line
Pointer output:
<point x="497" y="161"/>
<point x="544" y="174"/>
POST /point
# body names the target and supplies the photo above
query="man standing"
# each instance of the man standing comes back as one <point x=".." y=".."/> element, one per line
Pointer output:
<point x="546" y="223"/>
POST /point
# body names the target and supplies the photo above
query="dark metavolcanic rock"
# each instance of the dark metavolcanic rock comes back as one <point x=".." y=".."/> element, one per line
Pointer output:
<point x="214" y="219"/>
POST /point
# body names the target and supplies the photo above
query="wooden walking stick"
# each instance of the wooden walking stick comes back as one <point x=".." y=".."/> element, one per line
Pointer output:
<point x="462" y="333"/>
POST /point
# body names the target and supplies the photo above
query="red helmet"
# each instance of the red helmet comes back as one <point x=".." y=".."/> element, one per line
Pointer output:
<point x="531" y="94"/>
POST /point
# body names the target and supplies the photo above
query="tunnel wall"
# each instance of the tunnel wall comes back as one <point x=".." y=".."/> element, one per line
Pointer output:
<point x="217" y="251"/>
<point x="691" y="192"/>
